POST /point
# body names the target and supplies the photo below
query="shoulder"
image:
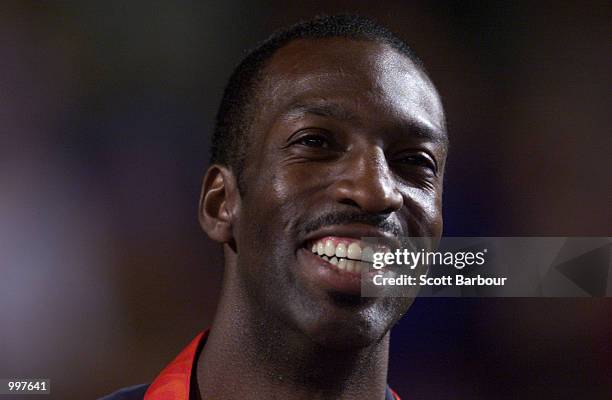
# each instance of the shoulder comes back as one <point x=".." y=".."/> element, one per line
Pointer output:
<point x="130" y="393"/>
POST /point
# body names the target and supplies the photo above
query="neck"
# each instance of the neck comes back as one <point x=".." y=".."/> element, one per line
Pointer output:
<point x="249" y="354"/>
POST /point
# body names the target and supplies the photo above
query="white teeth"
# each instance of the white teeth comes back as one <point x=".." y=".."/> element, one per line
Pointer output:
<point x="320" y="248"/>
<point x="354" y="251"/>
<point x="351" y="257"/>
<point x="341" y="250"/>
<point x="361" y="267"/>
<point x="367" y="254"/>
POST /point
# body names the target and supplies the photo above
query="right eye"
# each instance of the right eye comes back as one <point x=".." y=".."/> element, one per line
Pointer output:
<point x="313" y="140"/>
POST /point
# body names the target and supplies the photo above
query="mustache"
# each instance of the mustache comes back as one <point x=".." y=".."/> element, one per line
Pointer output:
<point x="381" y="222"/>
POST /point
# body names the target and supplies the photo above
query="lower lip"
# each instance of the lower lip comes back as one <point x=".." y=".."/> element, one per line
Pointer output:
<point x="328" y="276"/>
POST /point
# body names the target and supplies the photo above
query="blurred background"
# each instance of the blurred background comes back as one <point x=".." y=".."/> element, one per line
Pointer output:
<point x="105" y="114"/>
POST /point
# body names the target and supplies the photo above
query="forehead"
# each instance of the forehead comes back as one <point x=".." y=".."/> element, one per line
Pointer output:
<point x="368" y="77"/>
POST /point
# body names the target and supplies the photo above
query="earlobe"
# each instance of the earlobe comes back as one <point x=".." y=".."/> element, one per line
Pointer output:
<point x="218" y="203"/>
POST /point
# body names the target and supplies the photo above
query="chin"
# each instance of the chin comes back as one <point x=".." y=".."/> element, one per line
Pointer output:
<point x="350" y="329"/>
<point x="342" y="336"/>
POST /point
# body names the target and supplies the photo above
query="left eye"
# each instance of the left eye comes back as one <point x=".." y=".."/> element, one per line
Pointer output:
<point x="416" y="160"/>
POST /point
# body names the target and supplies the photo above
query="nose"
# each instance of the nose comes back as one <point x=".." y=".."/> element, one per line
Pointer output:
<point x="367" y="183"/>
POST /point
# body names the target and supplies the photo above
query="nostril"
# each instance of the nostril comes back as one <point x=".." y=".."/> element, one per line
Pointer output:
<point x="349" y="202"/>
<point x="388" y="211"/>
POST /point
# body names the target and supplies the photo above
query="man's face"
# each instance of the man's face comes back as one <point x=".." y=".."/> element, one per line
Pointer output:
<point x="348" y="142"/>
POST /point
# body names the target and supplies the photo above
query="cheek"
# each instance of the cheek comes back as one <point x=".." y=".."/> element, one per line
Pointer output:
<point x="424" y="209"/>
<point x="292" y="191"/>
<point x="290" y="184"/>
<point x="270" y="210"/>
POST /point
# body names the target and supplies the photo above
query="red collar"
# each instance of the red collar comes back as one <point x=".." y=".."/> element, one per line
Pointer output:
<point x="174" y="380"/>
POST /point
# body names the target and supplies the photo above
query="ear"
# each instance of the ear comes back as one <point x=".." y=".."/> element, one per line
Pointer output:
<point x="219" y="203"/>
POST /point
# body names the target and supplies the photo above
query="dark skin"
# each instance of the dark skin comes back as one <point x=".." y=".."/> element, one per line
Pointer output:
<point x="349" y="140"/>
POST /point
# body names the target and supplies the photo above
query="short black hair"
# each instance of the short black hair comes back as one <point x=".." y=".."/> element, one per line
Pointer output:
<point x="230" y="138"/>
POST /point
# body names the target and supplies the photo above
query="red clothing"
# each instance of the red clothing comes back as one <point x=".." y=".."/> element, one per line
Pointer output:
<point x="174" y="380"/>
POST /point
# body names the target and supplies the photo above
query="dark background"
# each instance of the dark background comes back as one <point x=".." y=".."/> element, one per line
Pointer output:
<point x="106" y="110"/>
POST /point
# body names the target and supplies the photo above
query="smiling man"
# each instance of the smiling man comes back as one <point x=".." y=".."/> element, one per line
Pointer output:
<point x="328" y="132"/>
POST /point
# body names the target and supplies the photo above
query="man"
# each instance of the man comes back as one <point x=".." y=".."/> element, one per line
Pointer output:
<point x="328" y="132"/>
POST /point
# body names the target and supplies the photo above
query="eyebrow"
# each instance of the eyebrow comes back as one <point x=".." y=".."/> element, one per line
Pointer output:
<point x="426" y="131"/>
<point x="333" y="110"/>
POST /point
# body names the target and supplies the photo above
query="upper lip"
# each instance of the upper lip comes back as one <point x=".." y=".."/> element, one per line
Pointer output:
<point x="355" y="231"/>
